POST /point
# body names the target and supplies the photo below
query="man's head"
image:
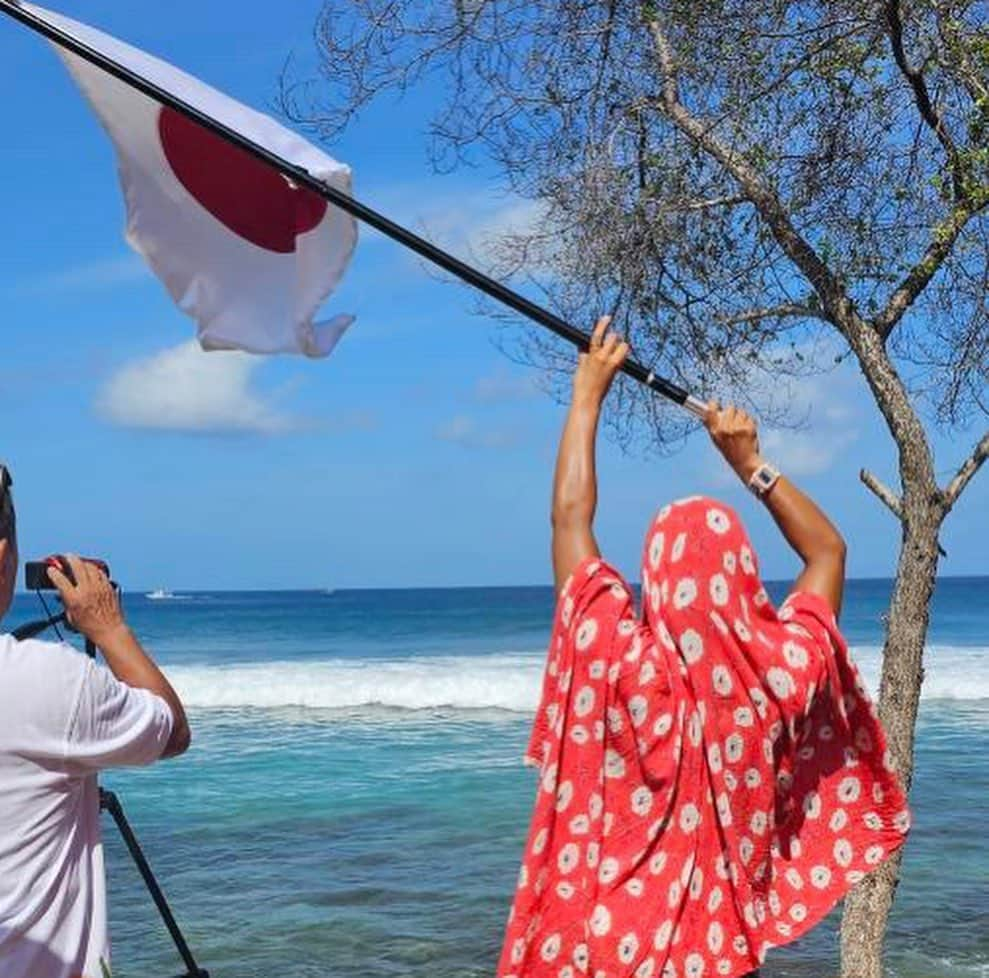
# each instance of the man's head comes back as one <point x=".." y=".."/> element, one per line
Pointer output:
<point x="8" y="542"/>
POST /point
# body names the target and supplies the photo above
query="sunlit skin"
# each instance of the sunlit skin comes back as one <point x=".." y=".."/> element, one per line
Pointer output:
<point x="93" y="608"/>
<point x="734" y="433"/>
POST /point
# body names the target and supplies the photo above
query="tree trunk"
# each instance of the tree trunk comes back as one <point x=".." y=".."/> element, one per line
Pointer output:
<point x="867" y="907"/>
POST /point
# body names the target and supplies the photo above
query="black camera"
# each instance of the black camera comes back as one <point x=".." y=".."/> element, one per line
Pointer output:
<point x="36" y="571"/>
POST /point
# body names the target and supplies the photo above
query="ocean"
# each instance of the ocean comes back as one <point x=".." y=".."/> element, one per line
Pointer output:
<point x="354" y="804"/>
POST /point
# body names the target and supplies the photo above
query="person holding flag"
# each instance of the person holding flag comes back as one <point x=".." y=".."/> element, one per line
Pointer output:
<point x="713" y="776"/>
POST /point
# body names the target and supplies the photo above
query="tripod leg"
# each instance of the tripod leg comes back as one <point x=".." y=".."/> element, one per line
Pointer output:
<point x="109" y="802"/>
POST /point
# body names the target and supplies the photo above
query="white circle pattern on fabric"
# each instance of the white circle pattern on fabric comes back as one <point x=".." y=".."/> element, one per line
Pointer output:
<point x="668" y="810"/>
<point x="551" y="948"/>
<point x="663" y="934"/>
<point x="638" y="710"/>
<point x="734" y="746"/>
<point x="745" y="559"/>
<point x="679" y="545"/>
<point x="689" y="817"/>
<point x="694" y="966"/>
<point x="723" y="806"/>
<point x="685" y="593"/>
<point x="586" y="634"/>
<point x="642" y="799"/>
<point x="569" y="858"/>
<point x="838" y="820"/>
<point x="564" y="795"/>
<point x="600" y="921"/>
<point x="849" y="790"/>
<point x="692" y="646"/>
<point x="608" y="870"/>
<point x="744" y="717"/>
<point x="656" y="550"/>
<point x="663" y="725"/>
<point x="795" y="655"/>
<point x="614" y="765"/>
<point x="781" y="682"/>
<point x="872" y="821"/>
<point x="628" y="947"/>
<point x="635" y="887"/>
<point x="718" y="587"/>
<point x="584" y="702"/>
<point x="721" y="681"/>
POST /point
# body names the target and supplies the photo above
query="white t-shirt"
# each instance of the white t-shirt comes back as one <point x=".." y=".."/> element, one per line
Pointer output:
<point x="63" y="718"/>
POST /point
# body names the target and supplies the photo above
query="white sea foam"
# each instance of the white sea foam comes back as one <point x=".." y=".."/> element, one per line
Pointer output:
<point x="950" y="672"/>
<point x="501" y="682"/>
<point x="504" y="682"/>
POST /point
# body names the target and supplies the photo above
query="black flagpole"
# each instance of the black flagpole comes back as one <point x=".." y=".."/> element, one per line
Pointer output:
<point x="303" y="178"/>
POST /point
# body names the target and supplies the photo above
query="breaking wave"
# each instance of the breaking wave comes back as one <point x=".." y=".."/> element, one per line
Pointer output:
<point x="509" y="681"/>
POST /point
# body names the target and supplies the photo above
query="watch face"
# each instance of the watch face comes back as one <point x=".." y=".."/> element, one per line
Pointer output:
<point x="763" y="479"/>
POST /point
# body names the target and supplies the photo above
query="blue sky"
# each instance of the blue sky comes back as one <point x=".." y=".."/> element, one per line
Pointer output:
<point x="417" y="455"/>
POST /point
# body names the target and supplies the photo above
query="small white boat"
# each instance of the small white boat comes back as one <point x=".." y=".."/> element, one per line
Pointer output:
<point x="160" y="594"/>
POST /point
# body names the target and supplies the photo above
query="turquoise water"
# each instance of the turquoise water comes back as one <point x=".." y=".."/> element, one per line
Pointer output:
<point x="354" y="804"/>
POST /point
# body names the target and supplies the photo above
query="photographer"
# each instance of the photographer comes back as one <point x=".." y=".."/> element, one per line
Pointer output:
<point x="63" y="719"/>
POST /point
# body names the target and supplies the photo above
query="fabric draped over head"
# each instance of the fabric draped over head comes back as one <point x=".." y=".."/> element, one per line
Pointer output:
<point x="713" y="776"/>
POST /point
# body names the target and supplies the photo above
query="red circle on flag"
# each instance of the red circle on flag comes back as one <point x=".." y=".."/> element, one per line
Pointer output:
<point x="246" y="195"/>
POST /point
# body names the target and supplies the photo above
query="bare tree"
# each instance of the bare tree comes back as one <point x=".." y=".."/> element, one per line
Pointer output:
<point x="748" y="184"/>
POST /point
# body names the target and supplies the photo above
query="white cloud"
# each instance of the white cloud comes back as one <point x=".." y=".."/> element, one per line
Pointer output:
<point x="827" y="404"/>
<point x="803" y="453"/>
<point x="464" y="430"/>
<point x="184" y="389"/>
<point x="825" y="413"/>
<point x="465" y="220"/>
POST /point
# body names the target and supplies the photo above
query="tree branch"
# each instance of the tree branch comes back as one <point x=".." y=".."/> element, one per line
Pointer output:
<point x="922" y="97"/>
<point x="888" y="498"/>
<point x="967" y="203"/>
<point x="834" y="299"/>
<point x="885" y="495"/>
<point x="969" y="467"/>
<point x="702" y="205"/>
<point x="948" y="30"/>
<point x="776" y="312"/>
<point x="943" y="241"/>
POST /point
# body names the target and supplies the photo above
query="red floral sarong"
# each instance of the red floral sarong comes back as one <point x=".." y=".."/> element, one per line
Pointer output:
<point x="713" y="777"/>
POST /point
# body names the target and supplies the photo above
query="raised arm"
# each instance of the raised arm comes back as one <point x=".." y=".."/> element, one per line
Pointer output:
<point x="575" y="489"/>
<point x="94" y="610"/>
<point x="806" y="528"/>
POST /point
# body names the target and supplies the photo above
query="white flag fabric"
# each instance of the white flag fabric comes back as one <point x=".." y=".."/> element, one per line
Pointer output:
<point x="247" y="254"/>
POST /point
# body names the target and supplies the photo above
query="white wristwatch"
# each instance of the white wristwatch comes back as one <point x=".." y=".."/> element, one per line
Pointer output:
<point x="764" y="478"/>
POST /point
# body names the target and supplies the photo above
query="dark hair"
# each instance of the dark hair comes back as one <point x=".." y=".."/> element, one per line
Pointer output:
<point x="7" y="516"/>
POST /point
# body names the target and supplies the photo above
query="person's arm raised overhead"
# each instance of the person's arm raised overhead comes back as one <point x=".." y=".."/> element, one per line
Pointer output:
<point x="575" y="486"/>
<point x="811" y="534"/>
<point x="93" y="609"/>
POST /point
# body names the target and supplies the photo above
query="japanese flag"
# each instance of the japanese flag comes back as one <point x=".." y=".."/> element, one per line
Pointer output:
<point x="243" y="251"/>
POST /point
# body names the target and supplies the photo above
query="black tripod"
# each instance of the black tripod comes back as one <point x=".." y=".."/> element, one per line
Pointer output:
<point x="110" y="803"/>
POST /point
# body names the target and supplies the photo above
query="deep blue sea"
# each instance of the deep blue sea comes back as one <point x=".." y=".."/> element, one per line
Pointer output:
<point x="354" y="804"/>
